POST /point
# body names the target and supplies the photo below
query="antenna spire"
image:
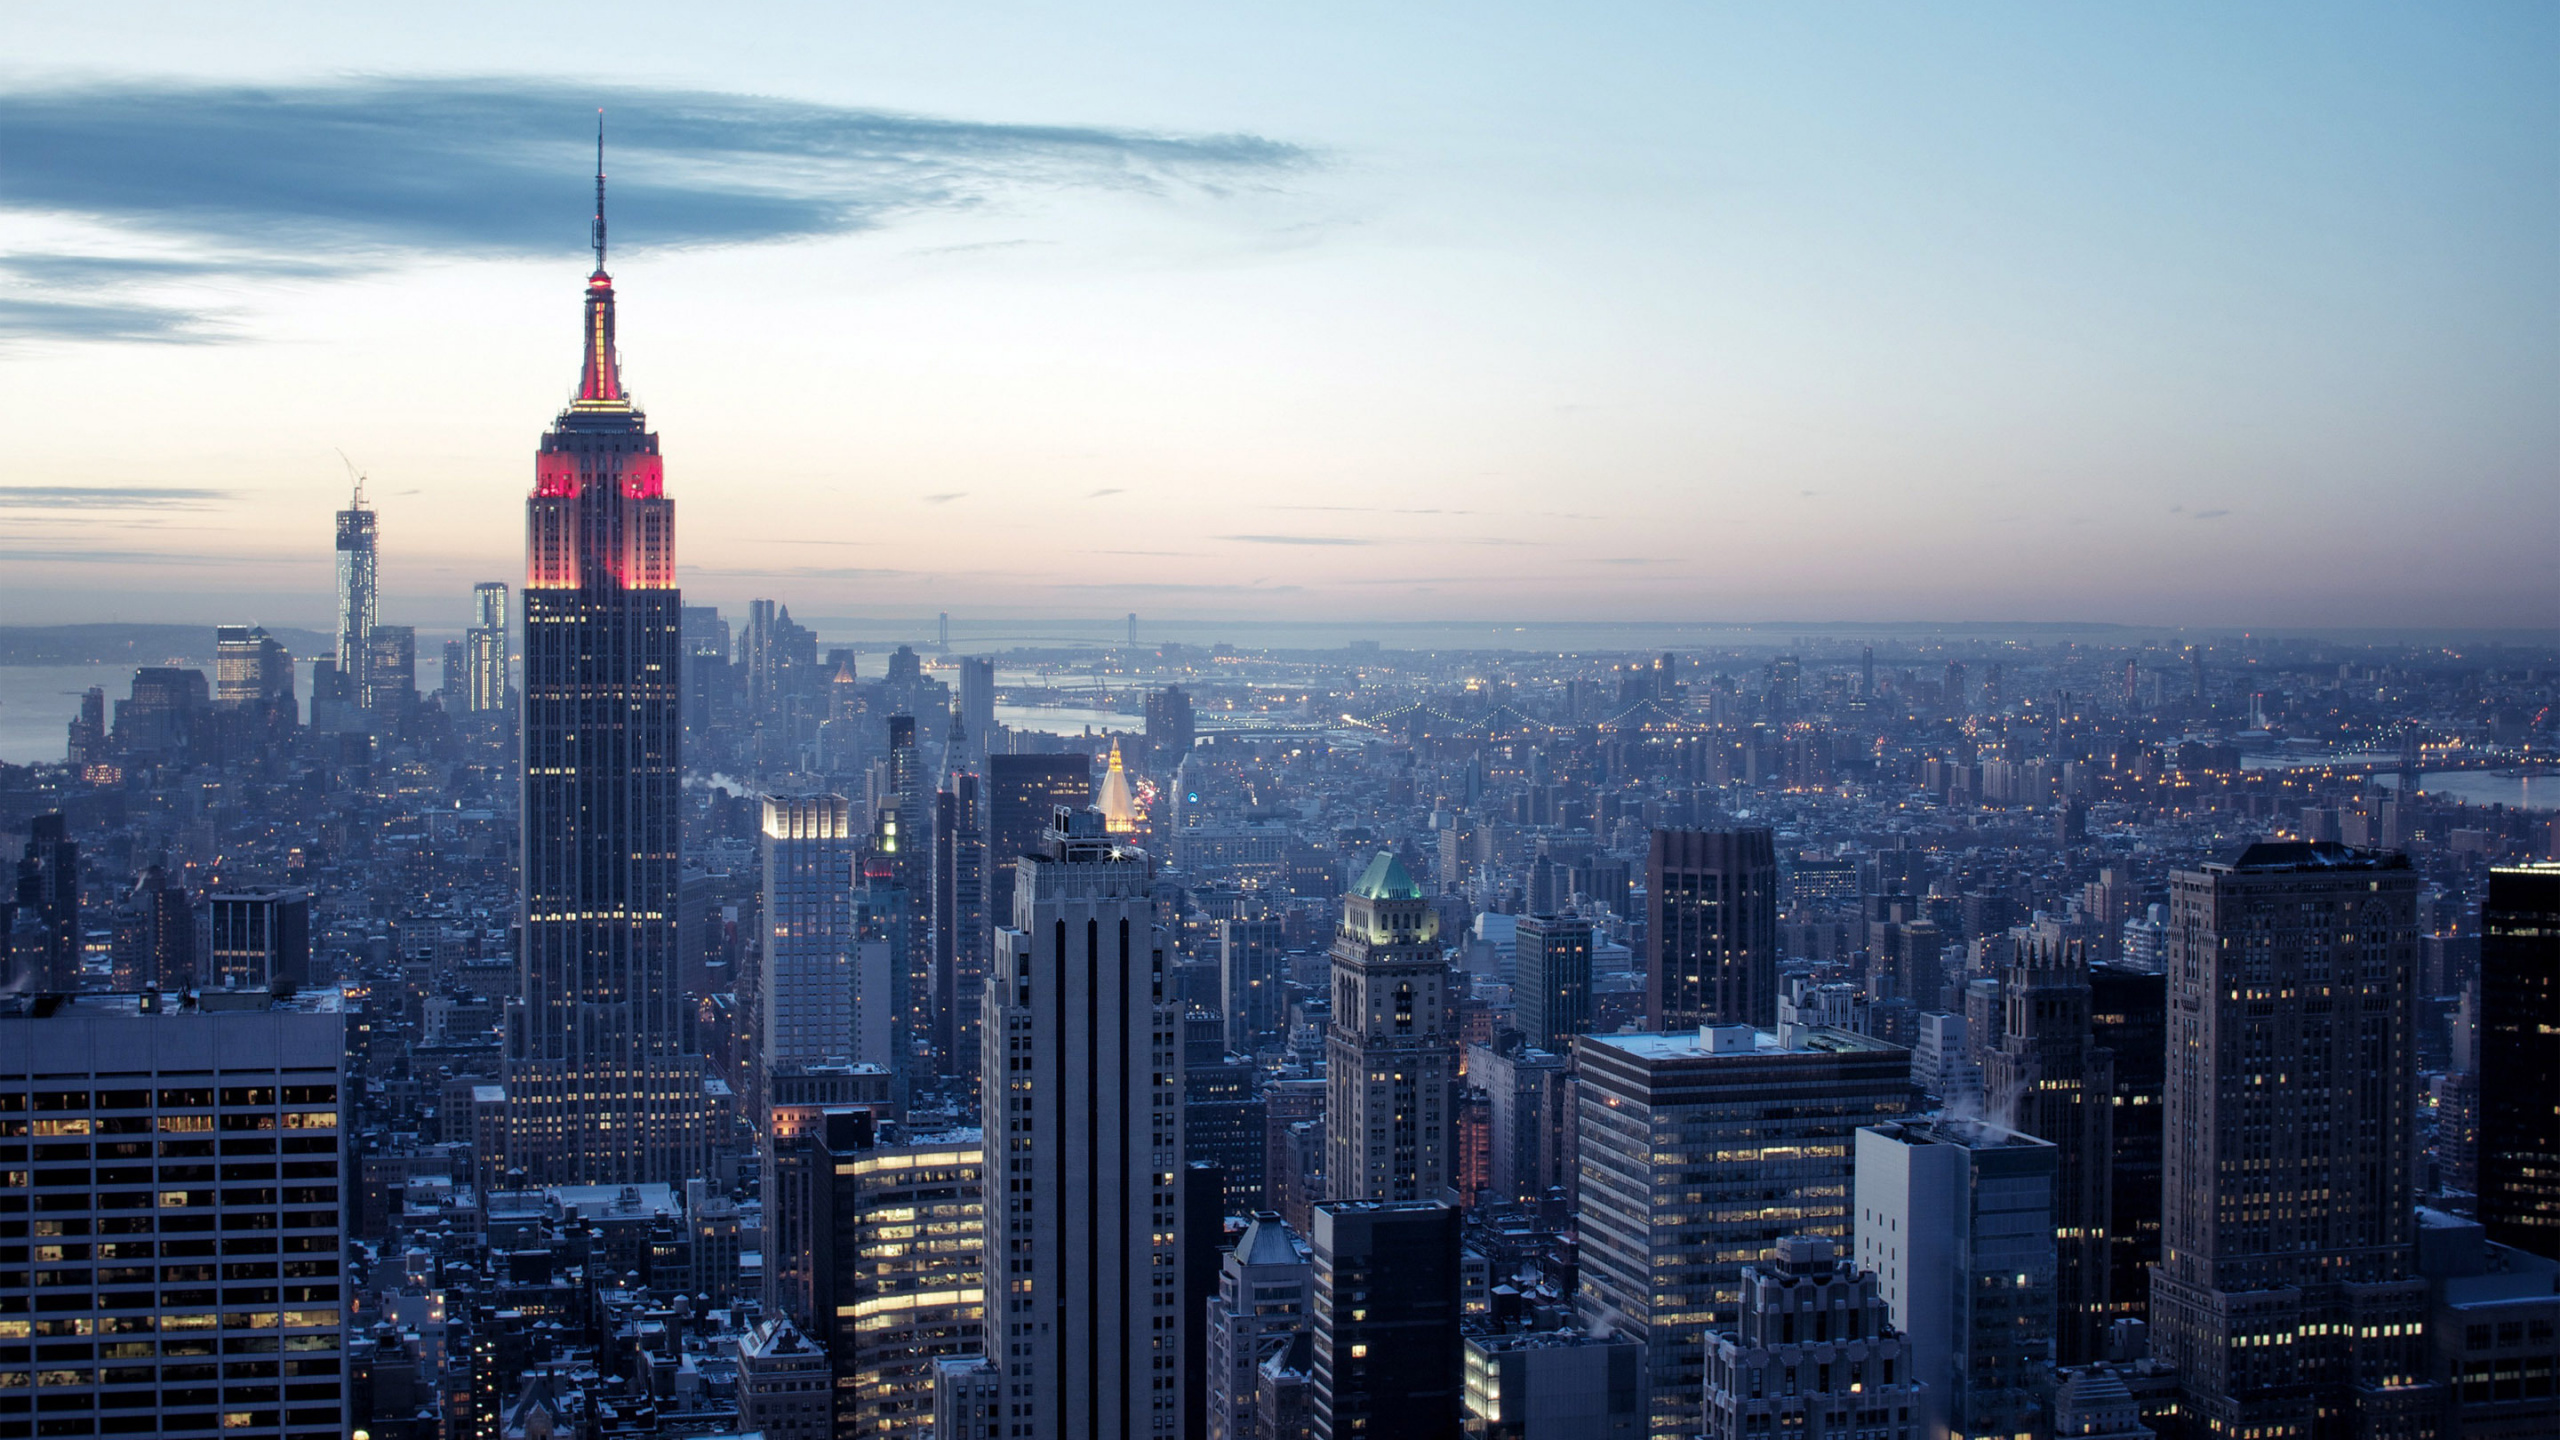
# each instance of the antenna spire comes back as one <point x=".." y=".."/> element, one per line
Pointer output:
<point x="599" y="231"/>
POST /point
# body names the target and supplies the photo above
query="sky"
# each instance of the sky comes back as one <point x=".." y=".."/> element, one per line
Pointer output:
<point x="2165" y="314"/>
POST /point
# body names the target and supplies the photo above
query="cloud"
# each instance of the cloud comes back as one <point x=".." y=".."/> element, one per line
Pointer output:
<point x="1106" y="490"/>
<point x="85" y="320"/>
<point x="2211" y="514"/>
<point x="944" y="497"/>
<point x="107" y="497"/>
<point x="1371" y="510"/>
<point x="155" y="558"/>
<point x="321" y="179"/>
<point x="1293" y="539"/>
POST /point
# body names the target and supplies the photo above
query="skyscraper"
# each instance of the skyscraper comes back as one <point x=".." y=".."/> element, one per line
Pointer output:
<point x="959" y="922"/>
<point x="978" y="701"/>
<point x="1389" y="1131"/>
<point x="1388" y="1354"/>
<point x="1814" y="1354"/>
<point x="2047" y="1079"/>
<point x="251" y="670"/>
<point x="898" y="1269"/>
<point x="1265" y="1300"/>
<point x="2129" y="1015"/>
<point x="266" y="1086"/>
<point x="2286" y="1294"/>
<point x="1023" y="795"/>
<point x="805" y="985"/>
<point x="1252" y="963"/>
<point x="1081" y="1062"/>
<point x="1711" y="933"/>
<point x="1955" y="1218"/>
<point x="1171" y="727"/>
<point x="600" y="1087"/>
<point x="484" y="649"/>
<point x="358" y="608"/>
<point x="1700" y="1149"/>
<point x="2520" y="1059"/>
<point x="1551" y="988"/>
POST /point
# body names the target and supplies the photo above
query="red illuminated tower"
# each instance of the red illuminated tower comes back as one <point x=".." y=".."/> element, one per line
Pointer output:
<point x="601" y="1088"/>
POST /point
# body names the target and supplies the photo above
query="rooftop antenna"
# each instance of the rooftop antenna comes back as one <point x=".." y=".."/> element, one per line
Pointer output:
<point x="357" y="476"/>
<point x="599" y="235"/>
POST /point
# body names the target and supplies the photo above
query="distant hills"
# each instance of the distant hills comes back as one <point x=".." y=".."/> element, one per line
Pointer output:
<point x="136" y="644"/>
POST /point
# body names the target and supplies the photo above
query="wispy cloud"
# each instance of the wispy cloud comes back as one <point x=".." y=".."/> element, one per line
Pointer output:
<point x="314" y="180"/>
<point x="107" y="497"/>
<point x="943" y="497"/>
<point x="1294" y="539"/>
<point x="1106" y="490"/>
<point x="2211" y="514"/>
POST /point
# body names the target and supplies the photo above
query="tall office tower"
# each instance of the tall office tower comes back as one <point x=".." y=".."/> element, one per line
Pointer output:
<point x="261" y="939"/>
<point x="805" y="999"/>
<point x="978" y="701"/>
<point x="266" y="1085"/>
<point x="1700" y="1149"/>
<point x="1081" y="1073"/>
<point x="1171" y="727"/>
<point x="900" y="1269"/>
<point x="1529" y="1098"/>
<point x="1388" y="1358"/>
<point x="2286" y="1294"/>
<point x="1265" y="1301"/>
<point x="390" y="671"/>
<point x="1023" y="796"/>
<point x="2129" y="1016"/>
<point x="1955" y="1217"/>
<point x="1253" y="961"/>
<point x="359" y="609"/>
<point x="1551" y="988"/>
<point x="1711" y="931"/>
<point x="252" y="670"/>
<point x="1814" y="1354"/>
<point x="959" y="924"/>
<point x="484" y="649"/>
<point x="48" y="893"/>
<point x="912" y="859"/>
<point x="1389" y="1131"/>
<point x="600" y="1086"/>
<point x="885" y="925"/>
<point x="799" y="1099"/>
<point x="2520" y="1059"/>
<point x="2048" y="1079"/>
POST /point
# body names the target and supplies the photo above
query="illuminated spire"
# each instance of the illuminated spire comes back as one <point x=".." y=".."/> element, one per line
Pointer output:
<point x="1118" y="800"/>
<point x="600" y="377"/>
<point x="598" y="235"/>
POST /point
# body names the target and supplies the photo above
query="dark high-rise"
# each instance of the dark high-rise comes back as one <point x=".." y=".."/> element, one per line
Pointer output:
<point x="1551" y="987"/>
<point x="2129" y="1015"/>
<point x="2287" y="1294"/>
<point x="2048" y="1079"/>
<point x="1023" y="795"/>
<point x="1711" y="933"/>
<point x="48" y="896"/>
<point x="959" y="922"/>
<point x="1388" y="1356"/>
<point x="358" y="603"/>
<point x="600" y="1089"/>
<point x="2520" y="1059"/>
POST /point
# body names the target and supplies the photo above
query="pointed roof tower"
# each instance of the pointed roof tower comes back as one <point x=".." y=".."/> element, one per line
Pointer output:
<point x="600" y="372"/>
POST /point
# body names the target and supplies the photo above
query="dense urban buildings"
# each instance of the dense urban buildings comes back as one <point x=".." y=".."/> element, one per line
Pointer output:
<point x="683" y="1019"/>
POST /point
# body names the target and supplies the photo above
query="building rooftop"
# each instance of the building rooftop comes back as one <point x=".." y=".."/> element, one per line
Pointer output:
<point x="2288" y="857"/>
<point x="1693" y="1045"/>
<point x="1970" y="1133"/>
<point x="1386" y="879"/>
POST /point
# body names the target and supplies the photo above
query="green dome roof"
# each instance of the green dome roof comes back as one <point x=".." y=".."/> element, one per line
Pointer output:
<point x="1386" y="879"/>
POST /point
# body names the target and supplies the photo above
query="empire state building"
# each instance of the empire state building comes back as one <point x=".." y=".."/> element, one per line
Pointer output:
<point x="600" y="1087"/>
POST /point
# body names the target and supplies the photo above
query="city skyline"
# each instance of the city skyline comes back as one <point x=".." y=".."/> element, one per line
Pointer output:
<point x="2108" y="318"/>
